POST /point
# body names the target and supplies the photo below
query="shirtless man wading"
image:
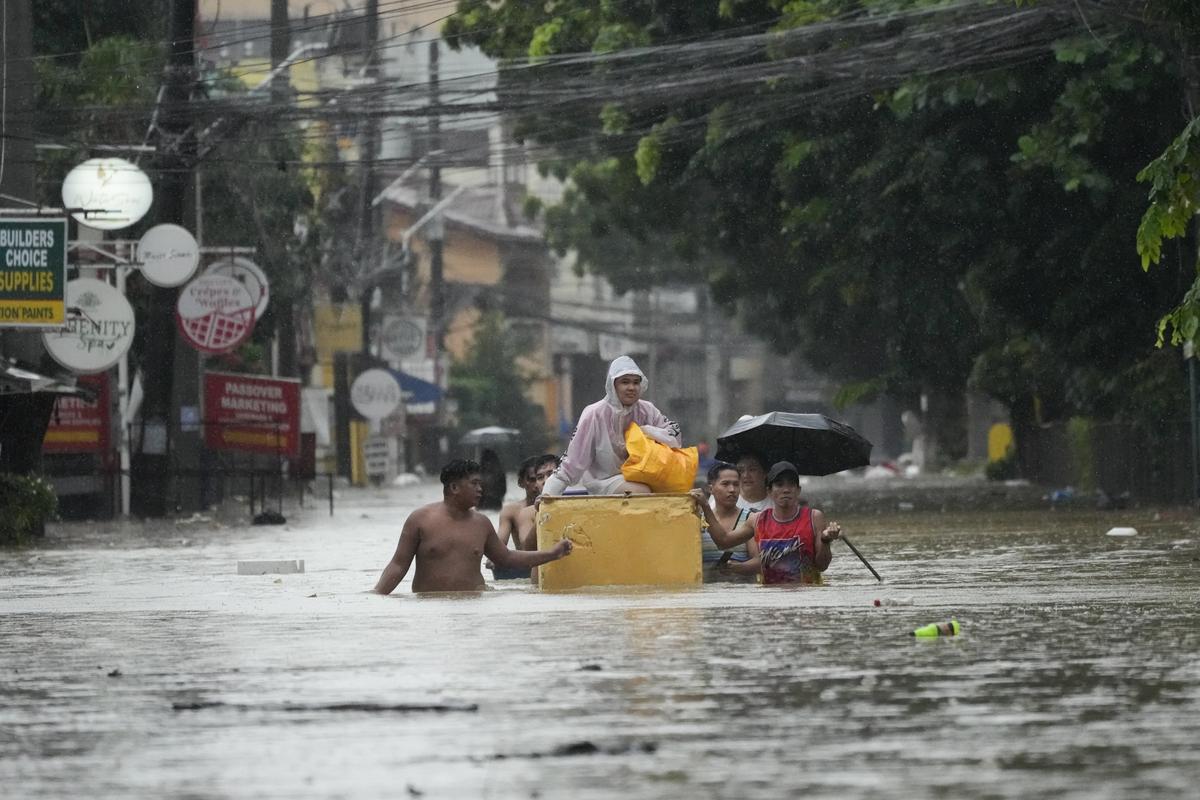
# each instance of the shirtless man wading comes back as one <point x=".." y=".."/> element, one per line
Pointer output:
<point x="448" y="540"/>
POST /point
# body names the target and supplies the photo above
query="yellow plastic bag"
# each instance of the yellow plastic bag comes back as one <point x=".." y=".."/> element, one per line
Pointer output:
<point x="662" y="468"/>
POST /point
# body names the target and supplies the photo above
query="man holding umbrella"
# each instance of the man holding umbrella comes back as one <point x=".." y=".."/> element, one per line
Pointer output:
<point x="793" y="540"/>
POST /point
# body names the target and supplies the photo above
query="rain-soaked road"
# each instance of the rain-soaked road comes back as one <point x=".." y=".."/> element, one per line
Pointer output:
<point x="135" y="663"/>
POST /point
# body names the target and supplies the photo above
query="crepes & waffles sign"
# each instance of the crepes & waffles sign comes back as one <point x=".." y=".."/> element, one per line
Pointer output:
<point x="215" y="313"/>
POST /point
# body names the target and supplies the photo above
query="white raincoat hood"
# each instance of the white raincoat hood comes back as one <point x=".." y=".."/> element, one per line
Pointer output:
<point x="623" y="365"/>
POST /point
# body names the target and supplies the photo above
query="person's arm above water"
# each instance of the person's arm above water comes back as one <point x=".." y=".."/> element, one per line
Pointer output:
<point x="508" y="525"/>
<point x="824" y="535"/>
<point x="406" y="550"/>
<point x="726" y="540"/>
<point x="578" y="456"/>
<point x="660" y="429"/>
<point x="525" y="530"/>
<point x="515" y="559"/>
<point x="751" y="566"/>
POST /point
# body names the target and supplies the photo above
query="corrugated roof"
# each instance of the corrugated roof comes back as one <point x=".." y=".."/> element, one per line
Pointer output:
<point x="477" y="208"/>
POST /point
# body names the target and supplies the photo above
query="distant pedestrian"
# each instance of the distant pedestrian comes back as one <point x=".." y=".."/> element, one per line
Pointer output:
<point x="449" y="538"/>
<point x="597" y="450"/>
<point x="793" y="539"/>
<point x="752" y="469"/>
<point x="515" y="516"/>
<point x="739" y="562"/>
<point x="495" y="485"/>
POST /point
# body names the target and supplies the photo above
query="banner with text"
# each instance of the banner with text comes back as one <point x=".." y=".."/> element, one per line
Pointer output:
<point x="33" y="273"/>
<point x="252" y="413"/>
<point x="80" y="426"/>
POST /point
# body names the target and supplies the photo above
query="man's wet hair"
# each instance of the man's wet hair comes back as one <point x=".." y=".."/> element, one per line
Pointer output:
<point x="458" y="469"/>
<point x="762" y="462"/>
<point x="533" y="464"/>
<point x="527" y="466"/>
<point x="714" y="472"/>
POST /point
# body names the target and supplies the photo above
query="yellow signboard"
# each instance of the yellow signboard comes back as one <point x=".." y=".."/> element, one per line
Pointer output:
<point x="335" y="328"/>
<point x="33" y="273"/>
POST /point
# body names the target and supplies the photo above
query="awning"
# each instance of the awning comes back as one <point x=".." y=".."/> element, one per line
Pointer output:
<point x="18" y="380"/>
<point x="414" y="390"/>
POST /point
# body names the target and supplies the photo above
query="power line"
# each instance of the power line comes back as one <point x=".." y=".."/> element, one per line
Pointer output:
<point x="764" y="76"/>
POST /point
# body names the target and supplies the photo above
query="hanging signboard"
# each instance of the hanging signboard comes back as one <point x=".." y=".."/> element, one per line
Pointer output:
<point x="215" y="313"/>
<point x="252" y="413"/>
<point x="107" y="194"/>
<point x="80" y="426"/>
<point x="169" y="255"/>
<point x="98" y="332"/>
<point x="375" y="394"/>
<point x="33" y="272"/>
<point x="247" y="273"/>
<point x="402" y="337"/>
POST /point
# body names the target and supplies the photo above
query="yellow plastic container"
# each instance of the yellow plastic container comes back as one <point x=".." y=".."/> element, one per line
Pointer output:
<point x="640" y="540"/>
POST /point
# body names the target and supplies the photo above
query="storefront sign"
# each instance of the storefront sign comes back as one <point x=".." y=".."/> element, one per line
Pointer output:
<point x="375" y="394"/>
<point x="107" y="194"/>
<point x="403" y="337"/>
<point x="215" y="313"/>
<point x="252" y="414"/>
<point x="169" y="255"/>
<point x="33" y="272"/>
<point x="79" y="426"/>
<point x="247" y="273"/>
<point x="98" y="332"/>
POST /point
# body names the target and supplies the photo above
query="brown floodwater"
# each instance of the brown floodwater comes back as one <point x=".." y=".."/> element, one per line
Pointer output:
<point x="136" y="663"/>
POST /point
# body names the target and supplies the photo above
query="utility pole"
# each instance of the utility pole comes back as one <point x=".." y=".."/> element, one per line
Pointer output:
<point x="368" y="154"/>
<point x="437" y="278"/>
<point x="171" y="368"/>
<point x="281" y="97"/>
<point x="25" y="416"/>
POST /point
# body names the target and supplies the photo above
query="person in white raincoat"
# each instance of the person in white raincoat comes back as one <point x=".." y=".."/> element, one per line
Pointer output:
<point x="597" y="449"/>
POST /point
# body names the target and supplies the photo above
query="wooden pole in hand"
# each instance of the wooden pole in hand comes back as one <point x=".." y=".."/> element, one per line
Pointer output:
<point x="860" y="557"/>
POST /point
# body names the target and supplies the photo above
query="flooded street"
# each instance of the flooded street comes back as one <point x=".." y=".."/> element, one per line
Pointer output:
<point x="137" y="663"/>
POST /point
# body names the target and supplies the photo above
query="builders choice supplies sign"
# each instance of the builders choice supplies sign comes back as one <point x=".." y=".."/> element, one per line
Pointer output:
<point x="251" y="413"/>
<point x="33" y="273"/>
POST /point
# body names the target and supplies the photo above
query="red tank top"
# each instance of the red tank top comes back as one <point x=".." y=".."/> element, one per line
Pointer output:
<point x="788" y="549"/>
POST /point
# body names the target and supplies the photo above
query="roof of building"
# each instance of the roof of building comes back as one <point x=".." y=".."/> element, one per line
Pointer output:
<point x="477" y="208"/>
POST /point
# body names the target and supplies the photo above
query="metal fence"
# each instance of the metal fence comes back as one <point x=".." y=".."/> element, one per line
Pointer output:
<point x="1150" y="463"/>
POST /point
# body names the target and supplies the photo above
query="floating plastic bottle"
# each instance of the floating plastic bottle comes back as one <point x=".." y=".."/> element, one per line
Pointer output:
<point x="935" y="629"/>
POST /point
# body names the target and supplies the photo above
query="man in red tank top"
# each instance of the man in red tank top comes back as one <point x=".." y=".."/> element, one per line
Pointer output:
<point x="791" y="550"/>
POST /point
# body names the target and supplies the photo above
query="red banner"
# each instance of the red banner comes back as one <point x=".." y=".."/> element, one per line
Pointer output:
<point x="79" y="426"/>
<point x="252" y="413"/>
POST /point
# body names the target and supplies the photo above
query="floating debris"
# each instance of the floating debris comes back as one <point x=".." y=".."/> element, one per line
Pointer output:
<point x="379" y="708"/>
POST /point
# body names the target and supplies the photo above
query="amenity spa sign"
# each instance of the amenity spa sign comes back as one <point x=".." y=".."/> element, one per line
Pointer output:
<point x="33" y="273"/>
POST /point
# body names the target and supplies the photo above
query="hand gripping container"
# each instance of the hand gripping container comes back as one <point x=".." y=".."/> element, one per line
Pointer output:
<point x="634" y="540"/>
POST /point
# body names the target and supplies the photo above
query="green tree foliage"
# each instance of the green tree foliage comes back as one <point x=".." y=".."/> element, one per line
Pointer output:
<point x="489" y="385"/>
<point x="253" y="192"/>
<point x="975" y="228"/>
<point x="67" y="29"/>
<point x="1174" y="176"/>
<point x="75" y="100"/>
<point x="28" y="502"/>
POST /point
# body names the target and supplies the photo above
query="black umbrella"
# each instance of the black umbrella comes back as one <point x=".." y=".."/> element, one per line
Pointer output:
<point x="816" y="444"/>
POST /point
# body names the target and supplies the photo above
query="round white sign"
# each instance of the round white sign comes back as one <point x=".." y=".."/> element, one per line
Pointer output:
<point x="99" y="328"/>
<point x="247" y="273"/>
<point x="403" y="337"/>
<point x="215" y="313"/>
<point x="107" y="194"/>
<point x="169" y="255"/>
<point x="375" y="394"/>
